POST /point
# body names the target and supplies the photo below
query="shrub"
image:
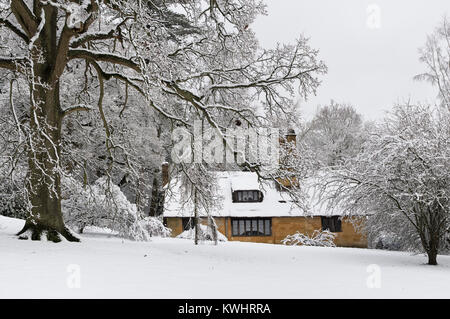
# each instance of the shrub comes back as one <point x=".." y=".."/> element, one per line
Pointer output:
<point x="323" y="238"/>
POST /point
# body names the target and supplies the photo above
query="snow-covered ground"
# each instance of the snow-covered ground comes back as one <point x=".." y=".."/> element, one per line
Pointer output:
<point x="109" y="267"/>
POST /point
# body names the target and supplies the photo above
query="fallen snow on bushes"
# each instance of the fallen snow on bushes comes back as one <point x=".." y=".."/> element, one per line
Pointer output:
<point x="106" y="266"/>
<point x="205" y="234"/>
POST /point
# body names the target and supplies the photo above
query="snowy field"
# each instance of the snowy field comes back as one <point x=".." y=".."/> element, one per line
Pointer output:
<point x="109" y="267"/>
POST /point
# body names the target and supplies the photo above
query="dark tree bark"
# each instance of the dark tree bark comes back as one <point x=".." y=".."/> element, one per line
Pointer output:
<point x="433" y="247"/>
<point x="44" y="182"/>
<point x="157" y="198"/>
<point x="430" y="226"/>
<point x="44" y="187"/>
<point x="432" y="257"/>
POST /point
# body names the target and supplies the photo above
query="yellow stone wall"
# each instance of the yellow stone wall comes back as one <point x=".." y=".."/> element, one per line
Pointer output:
<point x="281" y="227"/>
<point x="175" y="224"/>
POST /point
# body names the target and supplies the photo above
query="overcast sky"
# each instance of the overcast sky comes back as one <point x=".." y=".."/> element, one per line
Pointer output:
<point x="371" y="57"/>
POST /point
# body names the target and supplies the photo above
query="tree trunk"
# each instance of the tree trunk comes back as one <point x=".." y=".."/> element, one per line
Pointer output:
<point x="213" y="227"/>
<point x="157" y="198"/>
<point x="433" y="248"/>
<point x="44" y="182"/>
<point x="432" y="257"/>
<point x="196" y="219"/>
<point x="44" y="143"/>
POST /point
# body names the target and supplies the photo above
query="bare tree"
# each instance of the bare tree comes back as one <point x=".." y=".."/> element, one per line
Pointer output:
<point x="334" y="134"/>
<point x="436" y="56"/>
<point x="185" y="58"/>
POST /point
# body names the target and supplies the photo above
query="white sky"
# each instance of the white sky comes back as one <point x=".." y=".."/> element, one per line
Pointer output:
<point x="369" y="67"/>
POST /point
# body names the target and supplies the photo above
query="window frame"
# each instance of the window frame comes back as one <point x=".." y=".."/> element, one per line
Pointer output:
<point x="187" y="223"/>
<point x="241" y="222"/>
<point x="238" y="196"/>
<point x="331" y="223"/>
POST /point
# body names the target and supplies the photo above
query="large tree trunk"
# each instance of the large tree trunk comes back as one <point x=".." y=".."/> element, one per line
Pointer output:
<point x="157" y="198"/>
<point x="44" y="144"/>
<point x="432" y="257"/>
<point x="44" y="182"/>
<point x="429" y="237"/>
<point x="433" y="247"/>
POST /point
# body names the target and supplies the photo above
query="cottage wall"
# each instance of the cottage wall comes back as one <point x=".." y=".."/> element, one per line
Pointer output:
<point x="281" y="227"/>
<point x="176" y="224"/>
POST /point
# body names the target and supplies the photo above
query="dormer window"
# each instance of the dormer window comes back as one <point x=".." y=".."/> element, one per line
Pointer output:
<point x="247" y="196"/>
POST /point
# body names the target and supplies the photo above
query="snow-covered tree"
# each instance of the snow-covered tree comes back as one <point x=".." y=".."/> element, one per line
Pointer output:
<point x="104" y="205"/>
<point x="185" y="60"/>
<point x="334" y="134"/>
<point x="199" y="195"/>
<point x="12" y="169"/>
<point x="436" y="56"/>
<point x="401" y="179"/>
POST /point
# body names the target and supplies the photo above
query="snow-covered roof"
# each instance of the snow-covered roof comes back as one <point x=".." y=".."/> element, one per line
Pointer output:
<point x="274" y="204"/>
<point x="240" y="181"/>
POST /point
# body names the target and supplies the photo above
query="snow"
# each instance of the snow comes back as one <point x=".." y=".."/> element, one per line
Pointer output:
<point x="243" y="181"/>
<point x="77" y="14"/>
<point x="111" y="267"/>
<point x="205" y="233"/>
<point x="274" y="204"/>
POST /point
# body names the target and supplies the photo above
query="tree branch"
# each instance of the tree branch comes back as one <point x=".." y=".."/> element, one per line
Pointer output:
<point x="92" y="37"/>
<point x="67" y="34"/>
<point x="76" y="108"/>
<point x="103" y="57"/>
<point x="111" y="34"/>
<point x="14" y="29"/>
<point x="24" y="16"/>
<point x="11" y="63"/>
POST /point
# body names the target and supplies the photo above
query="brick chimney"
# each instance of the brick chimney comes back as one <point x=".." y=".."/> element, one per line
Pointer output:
<point x="291" y="137"/>
<point x="288" y="142"/>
